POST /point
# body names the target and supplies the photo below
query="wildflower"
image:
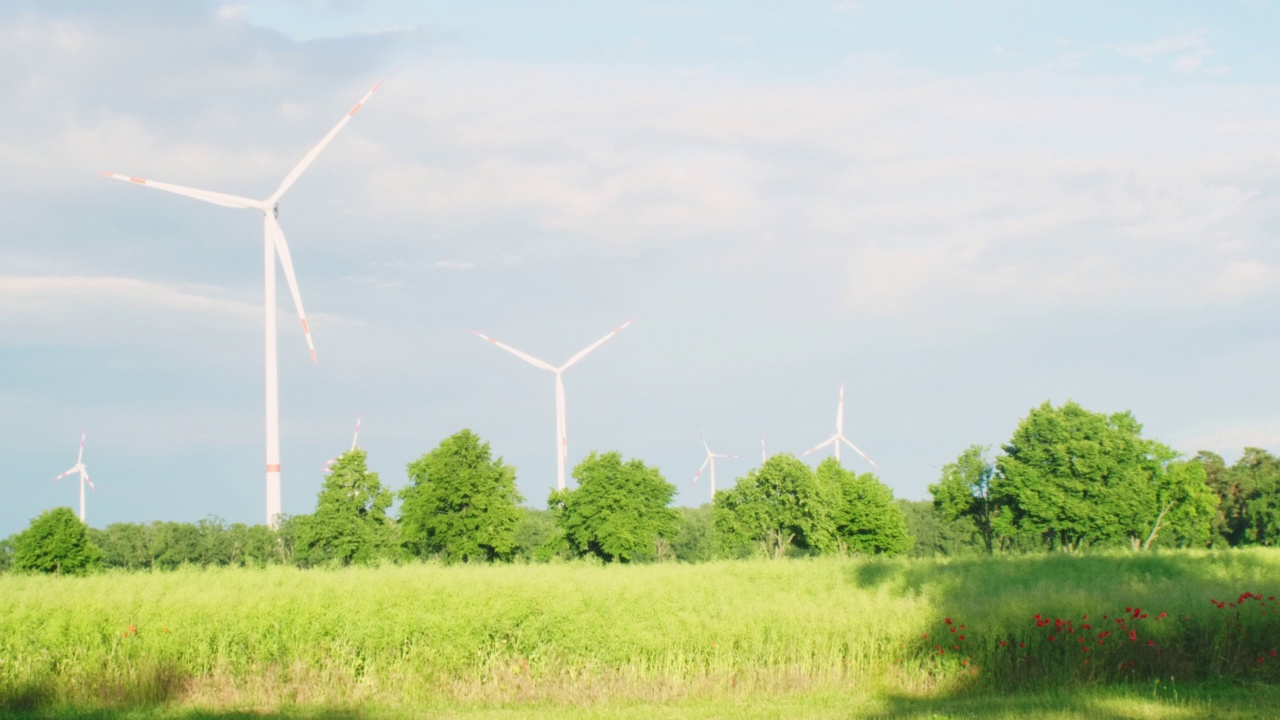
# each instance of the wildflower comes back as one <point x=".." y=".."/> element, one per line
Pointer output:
<point x="948" y="621"/>
<point x="1162" y="616"/>
<point x="953" y="630"/>
<point x="1144" y="616"/>
<point x="1003" y="643"/>
<point x="955" y="647"/>
<point x="924" y="635"/>
<point x="1151" y="643"/>
<point x="962" y="627"/>
<point x="964" y="661"/>
<point x="1022" y="644"/>
<point x="1259" y="658"/>
<point x="1050" y="638"/>
<point x="962" y="637"/>
<point x="1133" y="634"/>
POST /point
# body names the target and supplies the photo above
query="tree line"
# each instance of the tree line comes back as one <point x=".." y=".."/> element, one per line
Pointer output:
<point x="1068" y="479"/>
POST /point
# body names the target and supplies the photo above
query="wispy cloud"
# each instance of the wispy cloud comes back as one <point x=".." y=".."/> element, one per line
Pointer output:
<point x="1190" y="48"/>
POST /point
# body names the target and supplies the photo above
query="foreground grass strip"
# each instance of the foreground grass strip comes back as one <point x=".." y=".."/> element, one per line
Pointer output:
<point x="720" y="635"/>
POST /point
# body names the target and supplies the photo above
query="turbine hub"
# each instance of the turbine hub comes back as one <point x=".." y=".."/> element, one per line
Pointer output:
<point x="275" y="210"/>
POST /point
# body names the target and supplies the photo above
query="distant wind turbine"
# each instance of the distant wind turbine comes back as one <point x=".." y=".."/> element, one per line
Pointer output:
<point x="711" y="460"/>
<point x="79" y="469"/>
<point x="839" y="436"/>
<point x="273" y="244"/>
<point x="562" y="441"/>
<point x="764" y="456"/>
<point x="355" y="443"/>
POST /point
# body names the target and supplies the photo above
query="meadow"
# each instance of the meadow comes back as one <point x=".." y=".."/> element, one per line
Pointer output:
<point x="1170" y="634"/>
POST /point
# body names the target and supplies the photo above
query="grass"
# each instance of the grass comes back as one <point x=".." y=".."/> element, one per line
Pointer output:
<point x="819" y="638"/>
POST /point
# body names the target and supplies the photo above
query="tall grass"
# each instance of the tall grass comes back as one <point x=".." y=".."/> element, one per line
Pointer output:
<point x="427" y="635"/>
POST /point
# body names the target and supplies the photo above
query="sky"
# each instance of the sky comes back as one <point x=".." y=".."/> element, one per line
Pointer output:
<point x="961" y="210"/>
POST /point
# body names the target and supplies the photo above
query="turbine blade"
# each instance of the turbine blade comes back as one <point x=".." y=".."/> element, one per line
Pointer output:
<point x="726" y="456"/>
<point x="840" y="412"/>
<point x="85" y="474"/>
<point x="815" y="448"/>
<point x="527" y="358"/>
<point x="64" y="474"/>
<point x="310" y="157"/>
<point x="855" y="449"/>
<point x="282" y="249"/>
<point x="585" y="351"/>
<point x="699" y="474"/>
<point x="209" y="196"/>
<point x="80" y="457"/>
<point x="356" y="438"/>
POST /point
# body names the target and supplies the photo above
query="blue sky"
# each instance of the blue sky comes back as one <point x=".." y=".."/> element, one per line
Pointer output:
<point x="959" y="209"/>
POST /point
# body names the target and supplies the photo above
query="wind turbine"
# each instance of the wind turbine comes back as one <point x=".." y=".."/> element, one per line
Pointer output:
<point x="764" y="456"/>
<point x="711" y="460"/>
<point x="355" y="443"/>
<point x="562" y="441"/>
<point x="839" y="436"/>
<point x="273" y="244"/>
<point x="79" y="469"/>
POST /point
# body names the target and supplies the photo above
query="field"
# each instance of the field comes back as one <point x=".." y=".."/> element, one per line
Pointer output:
<point x="1188" y="634"/>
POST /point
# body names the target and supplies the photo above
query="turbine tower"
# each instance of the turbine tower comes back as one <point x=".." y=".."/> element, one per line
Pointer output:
<point x="839" y="436"/>
<point x="79" y="469"/>
<point x="355" y="443"/>
<point x="273" y="244"/>
<point x="562" y="441"/>
<point x="711" y="460"/>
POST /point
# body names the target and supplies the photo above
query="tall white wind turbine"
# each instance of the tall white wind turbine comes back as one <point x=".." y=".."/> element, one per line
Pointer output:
<point x="839" y="436"/>
<point x="562" y="441"/>
<point x="711" y="460"/>
<point x="273" y="244"/>
<point x="79" y="469"/>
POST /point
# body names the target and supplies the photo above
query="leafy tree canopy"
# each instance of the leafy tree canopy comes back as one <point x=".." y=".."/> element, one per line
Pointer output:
<point x="864" y="517"/>
<point x="618" y="511"/>
<point x="56" y="542"/>
<point x="964" y="491"/>
<point x="350" y="524"/>
<point x="775" y="507"/>
<point x="461" y="503"/>
<point x="1075" y="478"/>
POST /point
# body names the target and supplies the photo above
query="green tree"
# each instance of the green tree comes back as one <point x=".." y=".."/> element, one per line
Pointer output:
<point x="964" y="491"/>
<point x="350" y="524"/>
<point x="864" y="517"/>
<point x="461" y="504"/>
<point x="1228" y="520"/>
<point x="56" y="542"/>
<point x="537" y="537"/>
<point x="694" y="538"/>
<point x="618" y="511"/>
<point x="775" y="507"/>
<point x="1075" y="478"/>
<point x="1185" y="505"/>
<point x="935" y="534"/>
<point x="6" y="553"/>
<point x="1256" y="477"/>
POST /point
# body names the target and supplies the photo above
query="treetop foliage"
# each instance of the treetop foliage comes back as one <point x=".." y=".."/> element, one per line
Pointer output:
<point x="461" y="503"/>
<point x="618" y="511"/>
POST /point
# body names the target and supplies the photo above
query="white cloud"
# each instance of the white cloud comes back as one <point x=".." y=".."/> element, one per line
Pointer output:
<point x="1192" y="49"/>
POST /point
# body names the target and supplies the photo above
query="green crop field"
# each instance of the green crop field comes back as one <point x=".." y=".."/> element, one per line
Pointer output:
<point x="1175" y="634"/>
